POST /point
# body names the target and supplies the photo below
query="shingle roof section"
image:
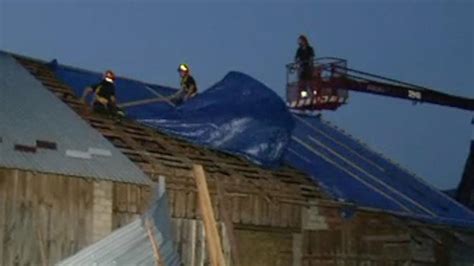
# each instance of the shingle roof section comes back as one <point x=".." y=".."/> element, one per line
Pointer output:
<point x="39" y="132"/>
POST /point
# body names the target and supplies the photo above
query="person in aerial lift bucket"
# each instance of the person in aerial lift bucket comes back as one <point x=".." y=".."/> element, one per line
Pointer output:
<point x="188" y="85"/>
<point x="304" y="60"/>
<point x="104" y="96"/>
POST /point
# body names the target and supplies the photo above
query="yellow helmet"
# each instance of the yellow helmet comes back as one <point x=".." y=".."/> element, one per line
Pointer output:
<point x="183" y="67"/>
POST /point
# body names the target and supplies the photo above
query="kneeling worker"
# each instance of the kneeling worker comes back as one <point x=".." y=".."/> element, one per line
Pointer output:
<point x="188" y="85"/>
<point x="104" y="96"/>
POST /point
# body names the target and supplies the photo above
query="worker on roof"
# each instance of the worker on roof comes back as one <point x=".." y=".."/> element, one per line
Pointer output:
<point x="188" y="85"/>
<point x="104" y="100"/>
<point x="304" y="60"/>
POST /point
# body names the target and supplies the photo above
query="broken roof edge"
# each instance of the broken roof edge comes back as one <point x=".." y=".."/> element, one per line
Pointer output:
<point x="81" y="69"/>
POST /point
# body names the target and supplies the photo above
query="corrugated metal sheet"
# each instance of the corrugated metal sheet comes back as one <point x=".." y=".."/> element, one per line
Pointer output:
<point x="29" y="112"/>
<point x="130" y="245"/>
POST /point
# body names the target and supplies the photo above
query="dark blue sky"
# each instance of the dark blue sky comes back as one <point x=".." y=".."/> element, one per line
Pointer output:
<point x="430" y="43"/>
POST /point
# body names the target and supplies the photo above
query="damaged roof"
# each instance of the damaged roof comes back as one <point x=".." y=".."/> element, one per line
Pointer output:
<point x="320" y="160"/>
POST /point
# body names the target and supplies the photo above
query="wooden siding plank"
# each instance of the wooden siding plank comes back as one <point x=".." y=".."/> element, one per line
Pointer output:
<point x="212" y="235"/>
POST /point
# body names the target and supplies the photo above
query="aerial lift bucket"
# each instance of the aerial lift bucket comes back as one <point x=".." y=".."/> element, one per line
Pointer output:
<point x="312" y="95"/>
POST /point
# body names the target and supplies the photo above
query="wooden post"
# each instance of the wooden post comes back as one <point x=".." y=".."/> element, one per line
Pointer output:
<point x="41" y="245"/>
<point x="297" y="249"/>
<point x="212" y="235"/>
<point x="166" y="99"/>
<point x="159" y="98"/>
<point x="156" y="250"/>
<point x="141" y="102"/>
<point x="229" y="225"/>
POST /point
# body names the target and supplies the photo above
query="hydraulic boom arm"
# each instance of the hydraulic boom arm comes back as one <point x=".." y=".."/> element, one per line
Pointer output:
<point x="364" y="82"/>
<point x="333" y="73"/>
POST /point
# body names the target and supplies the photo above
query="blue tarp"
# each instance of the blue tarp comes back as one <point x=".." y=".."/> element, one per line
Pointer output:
<point x="242" y="116"/>
<point x="238" y="115"/>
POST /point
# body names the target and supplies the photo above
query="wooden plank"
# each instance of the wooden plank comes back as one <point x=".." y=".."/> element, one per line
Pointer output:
<point x="41" y="245"/>
<point x="3" y="201"/>
<point x="201" y="245"/>
<point x="177" y="233"/>
<point x="180" y="204"/>
<point x="275" y="214"/>
<point x="43" y="212"/>
<point x="141" y="102"/>
<point x="285" y="214"/>
<point x="156" y="252"/>
<point x="226" y="246"/>
<point x="56" y="222"/>
<point x="33" y="207"/>
<point x="227" y="220"/>
<point x="236" y="209"/>
<point x="13" y="218"/>
<point x="246" y="209"/>
<point x="172" y="201"/>
<point x="121" y="198"/>
<point x="212" y="234"/>
<point x="145" y="196"/>
<point x="88" y="206"/>
<point x="297" y="249"/>
<point x="132" y="199"/>
<point x="191" y="205"/>
<point x="23" y="228"/>
<point x="257" y="210"/>
<point x="264" y="211"/>
<point x="74" y="198"/>
<point x="185" y="243"/>
<point x="192" y="239"/>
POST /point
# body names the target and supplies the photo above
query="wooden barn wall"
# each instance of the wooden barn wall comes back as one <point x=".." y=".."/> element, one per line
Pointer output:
<point x="129" y="202"/>
<point x="265" y="248"/>
<point x="191" y="244"/>
<point x="43" y="217"/>
<point x="367" y="240"/>
<point x="47" y="217"/>
<point x="245" y="208"/>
